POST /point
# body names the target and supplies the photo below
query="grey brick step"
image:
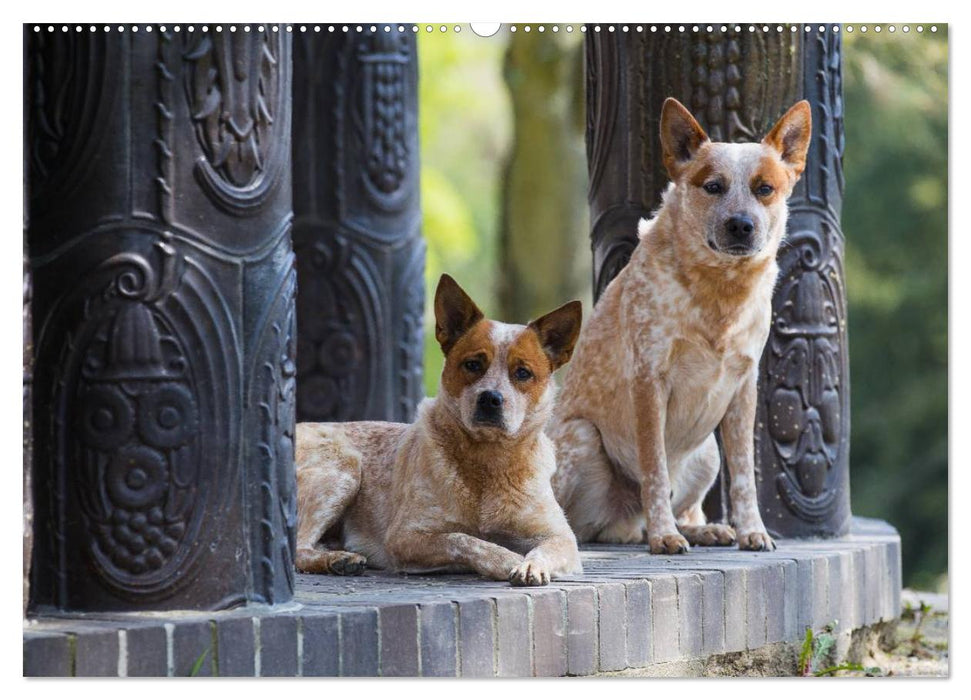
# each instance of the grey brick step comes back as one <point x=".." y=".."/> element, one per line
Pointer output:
<point x="628" y="610"/>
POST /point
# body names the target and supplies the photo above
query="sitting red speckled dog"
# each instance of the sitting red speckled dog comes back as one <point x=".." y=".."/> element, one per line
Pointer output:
<point x="672" y="349"/>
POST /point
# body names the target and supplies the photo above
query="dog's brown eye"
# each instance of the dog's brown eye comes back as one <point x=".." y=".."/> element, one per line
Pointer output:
<point x="713" y="187"/>
<point x="764" y="190"/>
<point x="522" y="374"/>
<point x="474" y="366"/>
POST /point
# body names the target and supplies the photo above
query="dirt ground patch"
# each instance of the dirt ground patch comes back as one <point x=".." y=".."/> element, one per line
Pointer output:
<point x="917" y="646"/>
<point x="922" y="639"/>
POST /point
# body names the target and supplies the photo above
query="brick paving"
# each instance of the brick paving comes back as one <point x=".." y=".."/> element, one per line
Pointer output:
<point x="628" y="610"/>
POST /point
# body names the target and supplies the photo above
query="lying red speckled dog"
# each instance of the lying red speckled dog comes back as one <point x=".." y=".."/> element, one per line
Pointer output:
<point x="467" y="485"/>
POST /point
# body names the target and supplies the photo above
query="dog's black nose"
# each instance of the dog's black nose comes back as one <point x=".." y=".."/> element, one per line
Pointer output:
<point x="490" y="400"/>
<point x="488" y="408"/>
<point x="740" y="227"/>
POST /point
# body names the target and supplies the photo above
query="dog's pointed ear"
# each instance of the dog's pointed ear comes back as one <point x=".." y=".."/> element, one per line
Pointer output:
<point x="681" y="135"/>
<point x="558" y="332"/>
<point x="455" y="312"/>
<point x="790" y="136"/>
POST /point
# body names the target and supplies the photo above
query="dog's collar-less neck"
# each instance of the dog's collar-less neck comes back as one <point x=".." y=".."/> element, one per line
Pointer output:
<point x="475" y="456"/>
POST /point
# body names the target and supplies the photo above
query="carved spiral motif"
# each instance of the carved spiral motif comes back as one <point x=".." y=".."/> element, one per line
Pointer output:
<point x="137" y="476"/>
<point x="167" y="417"/>
<point x="107" y="417"/>
<point x="339" y="353"/>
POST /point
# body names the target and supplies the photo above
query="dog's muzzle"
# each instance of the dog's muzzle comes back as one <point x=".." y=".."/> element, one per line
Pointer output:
<point x="488" y="409"/>
<point x="739" y="236"/>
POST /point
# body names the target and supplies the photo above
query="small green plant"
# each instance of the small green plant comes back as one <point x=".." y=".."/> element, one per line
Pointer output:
<point x="197" y="666"/>
<point x="817" y="649"/>
<point x="921" y="615"/>
<point x="919" y="646"/>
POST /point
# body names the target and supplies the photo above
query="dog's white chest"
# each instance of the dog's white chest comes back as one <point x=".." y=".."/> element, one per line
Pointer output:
<point x="702" y="383"/>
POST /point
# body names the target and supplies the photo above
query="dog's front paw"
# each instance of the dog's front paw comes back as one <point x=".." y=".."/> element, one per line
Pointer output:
<point x="671" y="543"/>
<point x="710" y="535"/>
<point x="530" y="573"/>
<point x="310" y="560"/>
<point x="348" y="564"/>
<point x="756" y="541"/>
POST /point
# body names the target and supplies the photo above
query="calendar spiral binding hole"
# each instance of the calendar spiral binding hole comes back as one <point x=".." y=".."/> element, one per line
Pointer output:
<point x="136" y="29"/>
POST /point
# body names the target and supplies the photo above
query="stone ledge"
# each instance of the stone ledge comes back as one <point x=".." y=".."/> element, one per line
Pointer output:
<point x="629" y="610"/>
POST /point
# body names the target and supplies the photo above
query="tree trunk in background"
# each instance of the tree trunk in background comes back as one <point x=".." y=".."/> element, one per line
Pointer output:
<point x="737" y="84"/>
<point x="544" y="247"/>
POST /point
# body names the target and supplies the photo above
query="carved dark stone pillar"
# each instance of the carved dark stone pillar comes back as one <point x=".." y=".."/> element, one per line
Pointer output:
<point x="738" y="84"/>
<point x="360" y="255"/>
<point x="164" y="284"/>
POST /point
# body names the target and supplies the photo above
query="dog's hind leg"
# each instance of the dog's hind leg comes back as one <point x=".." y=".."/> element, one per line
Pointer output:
<point x="600" y="503"/>
<point x="696" y="478"/>
<point x="328" y="479"/>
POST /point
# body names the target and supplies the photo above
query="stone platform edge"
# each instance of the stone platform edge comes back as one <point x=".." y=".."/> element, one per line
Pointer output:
<point x="629" y="610"/>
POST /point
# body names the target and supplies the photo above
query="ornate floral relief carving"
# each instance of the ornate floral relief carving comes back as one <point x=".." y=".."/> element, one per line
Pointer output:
<point x="136" y="414"/>
<point x="803" y="389"/>
<point x="233" y="86"/>
<point x="356" y="228"/>
<point x="726" y="95"/>
<point x="381" y="114"/>
<point x="144" y="324"/>
<point x="341" y="317"/>
<point x="139" y="452"/>
<point x="807" y="399"/>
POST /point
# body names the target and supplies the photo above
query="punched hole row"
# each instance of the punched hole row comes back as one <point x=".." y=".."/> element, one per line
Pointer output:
<point x="541" y="28"/>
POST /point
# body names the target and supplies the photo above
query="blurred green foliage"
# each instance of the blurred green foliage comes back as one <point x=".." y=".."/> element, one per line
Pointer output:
<point x="895" y="91"/>
<point x="465" y="129"/>
<point x="894" y="219"/>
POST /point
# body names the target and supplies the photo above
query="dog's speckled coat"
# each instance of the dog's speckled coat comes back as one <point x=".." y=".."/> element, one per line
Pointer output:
<point x="672" y="349"/>
<point x="448" y="492"/>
